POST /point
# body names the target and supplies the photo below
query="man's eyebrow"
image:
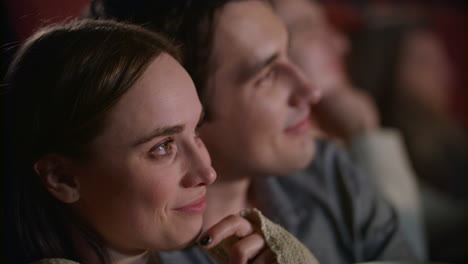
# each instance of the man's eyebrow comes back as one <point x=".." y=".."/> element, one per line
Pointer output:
<point x="256" y="68"/>
<point x="159" y="132"/>
<point x="288" y="43"/>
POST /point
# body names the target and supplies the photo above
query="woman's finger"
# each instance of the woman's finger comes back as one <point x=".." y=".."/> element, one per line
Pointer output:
<point x="229" y="226"/>
<point x="266" y="257"/>
<point x="247" y="248"/>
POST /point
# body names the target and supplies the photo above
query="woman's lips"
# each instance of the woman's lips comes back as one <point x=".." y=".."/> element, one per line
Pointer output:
<point x="196" y="207"/>
<point x="300" y="127"/>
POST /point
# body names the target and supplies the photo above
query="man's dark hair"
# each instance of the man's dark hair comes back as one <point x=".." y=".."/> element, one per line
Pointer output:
<point x="188" y="23"/>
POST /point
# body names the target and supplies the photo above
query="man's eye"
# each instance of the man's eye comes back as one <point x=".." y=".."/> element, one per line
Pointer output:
<point x="267" y="76"/>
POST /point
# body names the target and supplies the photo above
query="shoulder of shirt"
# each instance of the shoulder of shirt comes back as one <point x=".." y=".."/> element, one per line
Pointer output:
<point x="331" y="167"/>
<point x="329" y="161"/>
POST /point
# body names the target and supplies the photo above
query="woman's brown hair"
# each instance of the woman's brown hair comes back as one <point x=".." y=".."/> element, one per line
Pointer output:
<point x="60" y="85"/>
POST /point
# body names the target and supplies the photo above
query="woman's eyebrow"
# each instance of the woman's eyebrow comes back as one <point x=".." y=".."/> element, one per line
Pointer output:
<point x="159" y="132"/>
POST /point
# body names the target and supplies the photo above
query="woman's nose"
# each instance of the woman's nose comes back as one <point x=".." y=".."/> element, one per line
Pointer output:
<point x="199" y="171"/>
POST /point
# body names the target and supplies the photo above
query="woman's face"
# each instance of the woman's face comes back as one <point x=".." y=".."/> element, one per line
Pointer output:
<point x="143" y="185"/>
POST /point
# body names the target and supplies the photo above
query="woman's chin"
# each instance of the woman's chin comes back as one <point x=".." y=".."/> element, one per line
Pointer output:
<point x="194" y="238"/>
<point x="183" y="235"/>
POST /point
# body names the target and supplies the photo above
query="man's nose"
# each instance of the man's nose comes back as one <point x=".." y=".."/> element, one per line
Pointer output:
<point x="305" y="92"/>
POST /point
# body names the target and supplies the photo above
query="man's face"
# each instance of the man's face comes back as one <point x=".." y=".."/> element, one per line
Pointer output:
<point x="260" y="101"/>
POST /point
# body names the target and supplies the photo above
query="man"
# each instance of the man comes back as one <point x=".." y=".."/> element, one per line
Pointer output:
<point x="349" y="115"/>
<point x="258" y="125"/>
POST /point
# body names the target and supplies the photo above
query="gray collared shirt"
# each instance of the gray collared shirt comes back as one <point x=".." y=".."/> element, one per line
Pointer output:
<point x="331" y="207"/>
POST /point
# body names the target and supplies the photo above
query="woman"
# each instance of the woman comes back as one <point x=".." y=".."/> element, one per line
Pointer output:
<point x="106" y="164"/>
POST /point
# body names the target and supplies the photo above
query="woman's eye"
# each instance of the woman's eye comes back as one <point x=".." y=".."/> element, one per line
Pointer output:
<point x="164" y="149"/>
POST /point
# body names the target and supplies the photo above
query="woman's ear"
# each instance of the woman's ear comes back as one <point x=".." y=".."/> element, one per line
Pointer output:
<point x="56" y="175"/>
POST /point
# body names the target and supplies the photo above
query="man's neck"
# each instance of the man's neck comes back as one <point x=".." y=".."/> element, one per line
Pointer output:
<point x="226" y="197"/>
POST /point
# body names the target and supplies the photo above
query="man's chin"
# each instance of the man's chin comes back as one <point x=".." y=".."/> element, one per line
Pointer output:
<point x="316" y="130"/>
<point x="307" y="152"/>
<point x="299" y="160"/>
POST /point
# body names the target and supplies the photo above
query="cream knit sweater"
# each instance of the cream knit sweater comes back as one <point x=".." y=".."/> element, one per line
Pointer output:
<point x="287" y="249"/>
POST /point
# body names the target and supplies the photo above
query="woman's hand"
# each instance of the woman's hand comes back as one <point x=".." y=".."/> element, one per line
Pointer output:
<point x="243" y="243"/>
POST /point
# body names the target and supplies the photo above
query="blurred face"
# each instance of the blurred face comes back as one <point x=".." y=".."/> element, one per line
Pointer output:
<point x="425" y="71"/>
<point x="260" y="100"/>
<point x="143" y="186"/>
<point x="315" y="47"/>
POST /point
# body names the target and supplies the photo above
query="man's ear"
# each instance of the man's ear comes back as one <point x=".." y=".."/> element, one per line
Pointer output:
<point x="56" y="175"/>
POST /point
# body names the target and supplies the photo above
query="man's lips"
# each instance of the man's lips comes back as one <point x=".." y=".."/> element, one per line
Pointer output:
<point x="198" y="206"/>
<point x="300" y="127"/>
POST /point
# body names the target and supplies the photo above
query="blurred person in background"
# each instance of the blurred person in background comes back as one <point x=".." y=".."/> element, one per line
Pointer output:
<point x="403" y="65"/>
<point x="349" y="115"/>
